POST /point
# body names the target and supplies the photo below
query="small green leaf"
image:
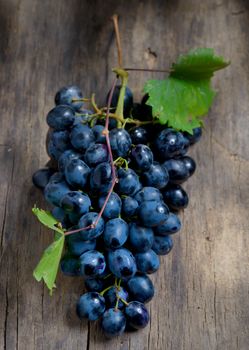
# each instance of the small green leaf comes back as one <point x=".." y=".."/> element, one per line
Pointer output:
<point x="179" y="103"/>
<point x="47" y="219"/>
<point x="182" y="99"/>
<point x="198" y="64"/>
<point x="48" y="266"/>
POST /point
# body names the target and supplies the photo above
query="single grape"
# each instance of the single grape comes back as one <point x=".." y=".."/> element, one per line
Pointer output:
<point x="147" y="262"/>
<point x="81" y="136"/>
<point x="95" y="154"/>
<point x="170" y="143"/>
<point x="153" y="213"/>
<point x="41" y="177"/>
<point x="120" y="141"/>
<point x="98" y="133"/>
<point x="138" y="135"/>
<point x="61" y="140"/>
<point x="128" y="99"/>
<point x="141" y="238"/>
<point x="87" y="220"/>
<point x="189" y="164"/>
<point x="76" y="173"/>
<point x="115" y="233"/>
<point x="61" y="117"/>
<point x="195" y="137"/>
<point x="122" y="263"/>
<point x="60" y="216"/>
<point x="142" y="157"/>
<point x="137" y="315"/>
<point x="54" y="191"/>
<point x="148" y="194"/>
<point x="92" y="263"/>
<point x="162" y="245"/>
<point x="113" y="206"/>
<point x="66" y="95"/>
<point x="70" y="266"/>
<point x="94" y="284"/>
<point x="101" y="177"/>
<point x="129" y="206"/>
<point x="170" y="226"/>
<point x="157" y="176"/>
<point x="66" y="157"/>
<point x="113" y="323"/>
<point x="77" y="246"/>
<point x="91" y="306"/>
<point x="112" y="294"/>
<point x="177" y="170"/>
<point x="141" y="288"/>
<point x="175" y="197"/>
<point x="76" y="202"/>
<point x="129" y="183"/>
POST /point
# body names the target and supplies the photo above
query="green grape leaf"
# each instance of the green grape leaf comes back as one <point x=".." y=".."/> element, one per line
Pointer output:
<point x="48" y="266"/>
<point x="47" y="219"/>
<point x="179" y="103"/>
<point x="198" y="64"/>
<point x="182" y="100"/>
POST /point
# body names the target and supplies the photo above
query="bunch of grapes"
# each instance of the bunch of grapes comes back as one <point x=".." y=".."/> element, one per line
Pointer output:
<point x="118" y="209"/>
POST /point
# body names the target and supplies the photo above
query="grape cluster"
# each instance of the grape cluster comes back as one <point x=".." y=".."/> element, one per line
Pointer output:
<point x="120" y="248"/>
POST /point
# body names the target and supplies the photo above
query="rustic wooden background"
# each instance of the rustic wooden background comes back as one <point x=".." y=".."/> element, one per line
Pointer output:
<point x="202" y="300"/>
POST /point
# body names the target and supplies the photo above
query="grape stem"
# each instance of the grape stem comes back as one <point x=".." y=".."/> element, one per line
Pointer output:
<point x="118" y="42"/>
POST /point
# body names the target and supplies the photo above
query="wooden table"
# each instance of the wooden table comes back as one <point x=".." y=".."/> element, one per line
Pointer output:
<point x="202" y="299"/>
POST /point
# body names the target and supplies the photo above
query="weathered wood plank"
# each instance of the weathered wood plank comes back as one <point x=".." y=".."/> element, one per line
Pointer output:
<point x="202" y="286"/>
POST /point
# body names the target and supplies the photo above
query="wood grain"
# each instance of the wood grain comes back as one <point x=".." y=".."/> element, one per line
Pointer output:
<point x="202" y="300"/>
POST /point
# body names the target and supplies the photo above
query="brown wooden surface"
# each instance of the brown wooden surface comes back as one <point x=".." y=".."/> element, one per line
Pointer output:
<point x="202" y="300"/>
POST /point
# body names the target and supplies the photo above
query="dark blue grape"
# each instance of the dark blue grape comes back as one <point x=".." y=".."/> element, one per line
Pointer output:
<point x="66" y="157"/>
<point x="189" y="164"/>
<point x="82" y="136"/>
<point x="148" y="194"/>
<point x="162" y="245"/>
<point x="41" y="177"/>
<point x="138" y="135"/>
<point x="61" y="140"/>
<point x="129" y="206"/>
<point x="129" y="183"/>
<point x="141" y="288"/>
<point x="94" y="284"/>
<point x="137" y="315"/>
<point x="101" y="177"/>
<point x="177" y="170"/>
<point x="122" y="263"/>
<point x="113" y="206"/>
<point x="195" y="137"/>
<point x="87" y="220"/>
<point x="98" y="133"/>
<point x="141" y="238"/>
<point x="76" y="173"/>
<point x="171" y="143"/>
<point x="157" y="176"/>
<point x="54" y="191"/>
<point x="60" y="216"/>
<point x="115" y="233"/>
<point x="53" y="152"/>
<point x="170" y="226"/>
<point x="77" y="246"/>
<point x="95" y="154"/>
<point x="112" y="294"/>
<point x="70" y="266"/>
<point x="113" y="323"/>
<point x="147" y="262"/>
<point x="175" y="197"/>
<point x="92" y="263"/>
<point x="152" y="213"/>
<point x="128" y="99"/>
<point x="61" y="117"/>
<point x="120" y="141"/>
<point x="66" y="95"/>
<point x="76" y="202"/>
<point x="142" y="157"/>
<point x="91" y="306"/>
